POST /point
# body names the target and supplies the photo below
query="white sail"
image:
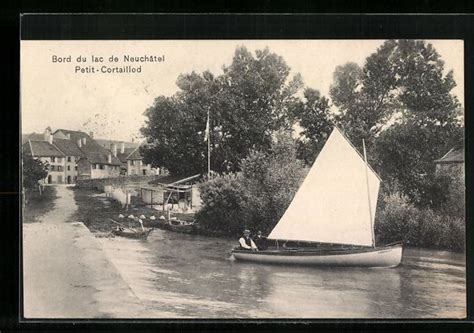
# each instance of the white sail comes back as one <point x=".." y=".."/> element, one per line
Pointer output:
<point x="332" y="206"/>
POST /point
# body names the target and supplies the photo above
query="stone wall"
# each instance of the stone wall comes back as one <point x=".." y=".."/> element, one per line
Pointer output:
<point x="100" y="184"/>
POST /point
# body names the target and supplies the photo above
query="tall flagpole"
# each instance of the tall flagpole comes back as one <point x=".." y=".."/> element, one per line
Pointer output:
<point x="368" y="192"/>
<point x="208" y="147"/>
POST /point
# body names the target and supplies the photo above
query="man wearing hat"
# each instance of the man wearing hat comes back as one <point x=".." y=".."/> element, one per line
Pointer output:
<point x="261" y="241"/>
<point x="246" y="242"/>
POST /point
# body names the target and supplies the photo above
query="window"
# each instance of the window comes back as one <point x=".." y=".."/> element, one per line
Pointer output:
<point x="53" y="159"/>
<point x="51" y="167"/>
<point x="101" y="166"/>
<point x="59" y="160"/>
<point x="69" y="158"/>
<point x="68" y="168"/>
<point x="93" y="166"/>
<point x="75" y="168"/>
<point x="60" y="168"/>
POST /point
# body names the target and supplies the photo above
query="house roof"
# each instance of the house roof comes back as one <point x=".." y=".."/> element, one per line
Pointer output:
<point x="32" y="136"/>
<point x="68" y="147"/>
<point x="97" y="158"/>
<point x="123" y="157"/>
<point x="455" y="155"/>
<point x="93" y="151"/>
<point x="43" y="149"/>
<point x="74" y="134"/>
<point x="89" y="147"/>
<point x="106" y="143"/>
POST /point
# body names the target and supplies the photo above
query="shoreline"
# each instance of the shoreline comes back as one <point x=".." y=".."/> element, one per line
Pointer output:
<point x="66" y="273"/>
<point x="95" y="212"/>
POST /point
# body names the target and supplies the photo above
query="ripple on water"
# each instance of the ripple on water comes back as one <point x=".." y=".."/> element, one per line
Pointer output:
<point x="183" y="276"/>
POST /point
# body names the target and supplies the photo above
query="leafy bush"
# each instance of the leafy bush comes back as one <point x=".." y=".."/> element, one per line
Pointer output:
<point x="455" y="238"/>
<point x="222" y="209"/>
<point x="454" y="204"/>
<point x="400" y="220"/>
<point x="33" y="171"/>
<point x="256" y="197"/>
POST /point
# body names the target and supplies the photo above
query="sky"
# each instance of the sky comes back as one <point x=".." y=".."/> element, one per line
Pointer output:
<point x="112" y="105"/>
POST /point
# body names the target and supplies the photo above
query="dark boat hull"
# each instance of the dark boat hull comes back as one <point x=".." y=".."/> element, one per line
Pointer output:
<point x="131" y="234"/>
<point x="387" y="256"/>
<point x="186" y="229"/>
<point x="180" y="226"/>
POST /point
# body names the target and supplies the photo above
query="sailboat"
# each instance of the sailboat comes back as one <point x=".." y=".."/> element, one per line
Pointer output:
<point x="331" y="217"/>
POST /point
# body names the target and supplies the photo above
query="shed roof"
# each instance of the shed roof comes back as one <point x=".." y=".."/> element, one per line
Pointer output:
<point x="170" y="180"/>
<point x="455" y="155"/>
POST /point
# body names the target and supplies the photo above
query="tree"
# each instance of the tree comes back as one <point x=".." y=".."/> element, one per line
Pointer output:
<point x="314" y="117"/>
<point x="345" y="90"/>
<point x="424" y="89"/>
<point x="400" y="102"/>
<point x="405" y="153"/>
<point x="271" y="180"/>
<point x="365" y="97"/>
<point x="33" y="171"/>
<point x="175" y="124"/>
<point x="247" y="104"/>
<point x="258" y="195"/>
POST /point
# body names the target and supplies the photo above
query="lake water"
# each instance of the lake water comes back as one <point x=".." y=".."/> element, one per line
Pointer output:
<point x="177" y="275"/>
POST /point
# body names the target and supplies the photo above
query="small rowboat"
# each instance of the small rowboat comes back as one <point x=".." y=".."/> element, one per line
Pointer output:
<point x="180" y="226"/>
<point x="125" y="231"/>
<point x="135" y="234"/>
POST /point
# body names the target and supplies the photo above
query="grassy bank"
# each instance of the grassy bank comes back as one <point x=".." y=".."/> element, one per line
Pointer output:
<point x="38" y="205"/>
<point x="95" y="211"/>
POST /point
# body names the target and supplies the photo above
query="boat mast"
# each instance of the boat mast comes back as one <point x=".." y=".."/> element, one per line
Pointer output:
<point x="207" y="137"/>
<point x="368" y="192"/>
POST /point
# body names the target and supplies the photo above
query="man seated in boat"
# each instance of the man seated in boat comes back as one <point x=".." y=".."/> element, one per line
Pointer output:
<point x="260" y="241"/>
<point x="246" y="243"/>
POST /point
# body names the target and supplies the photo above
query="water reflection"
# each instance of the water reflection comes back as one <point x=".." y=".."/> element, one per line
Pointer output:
<point x="192" y="276"/>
